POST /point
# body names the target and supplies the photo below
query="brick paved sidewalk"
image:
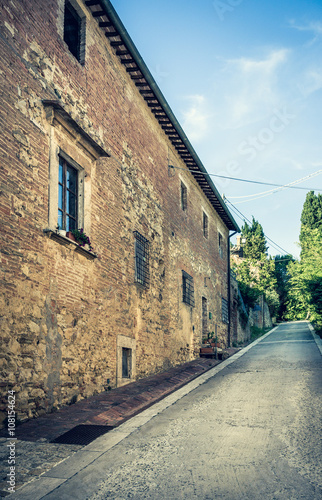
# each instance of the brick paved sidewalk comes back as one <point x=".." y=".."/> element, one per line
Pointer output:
<point x="35" y="451"/>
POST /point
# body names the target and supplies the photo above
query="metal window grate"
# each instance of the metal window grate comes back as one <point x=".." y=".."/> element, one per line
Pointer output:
<point x="74" y="31"/>
<point x="184" y="202"/>
<point x="204" y="316"/>
<point x="187" y="289"/>
<point x="142" y="274"/>
<point x="224" y="309"/>
<point x="205" y="225"/>
<point x="220" y="245"/>
<point x="72" y="25"/>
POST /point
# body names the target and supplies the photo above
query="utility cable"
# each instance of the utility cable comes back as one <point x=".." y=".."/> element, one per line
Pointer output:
<point x="257" y="196"/>
<point x="244" y="218"/>
<point x="282" y="187"/>
<point x="245" y="180"/>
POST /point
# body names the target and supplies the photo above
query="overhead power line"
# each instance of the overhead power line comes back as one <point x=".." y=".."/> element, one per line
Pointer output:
<point x="256" y="196"/>
<point x="244" y="218"/>
<point x="287" y="186"/>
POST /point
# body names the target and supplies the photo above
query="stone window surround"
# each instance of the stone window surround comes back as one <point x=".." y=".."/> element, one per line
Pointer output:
<point x="129" y="343"/>
<point x="70" y="141"/>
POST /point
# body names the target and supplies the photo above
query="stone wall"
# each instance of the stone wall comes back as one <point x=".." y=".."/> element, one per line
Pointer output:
<point x="242" y="320"/>
<point x="240" y="325"/>
<point x="260" y="315"/>
<point x="66" y="314"/>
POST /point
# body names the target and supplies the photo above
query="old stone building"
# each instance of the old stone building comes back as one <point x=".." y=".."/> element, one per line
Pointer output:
<point x="89" y="142"/>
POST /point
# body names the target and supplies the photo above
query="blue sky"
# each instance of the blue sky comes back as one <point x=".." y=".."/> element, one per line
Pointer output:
<point x="244" y="79"/>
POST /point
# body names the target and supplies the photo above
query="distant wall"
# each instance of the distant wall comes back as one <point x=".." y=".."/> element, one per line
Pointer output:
<point x="242" y="320"/>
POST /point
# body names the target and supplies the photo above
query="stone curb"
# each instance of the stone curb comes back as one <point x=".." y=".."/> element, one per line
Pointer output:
<point x="317" y="339"/>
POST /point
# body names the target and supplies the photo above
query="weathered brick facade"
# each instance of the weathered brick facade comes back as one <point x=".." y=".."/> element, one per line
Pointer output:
<point x="67" y="315"/>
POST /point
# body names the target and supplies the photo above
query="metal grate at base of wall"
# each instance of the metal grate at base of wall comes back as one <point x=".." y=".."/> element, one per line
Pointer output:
<point x="82" y="434"/>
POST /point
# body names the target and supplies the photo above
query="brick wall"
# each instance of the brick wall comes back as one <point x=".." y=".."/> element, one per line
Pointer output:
<point x="62" y="311"/>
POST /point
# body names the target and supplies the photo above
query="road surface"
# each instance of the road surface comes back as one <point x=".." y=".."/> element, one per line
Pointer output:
<point x="252" y="431"/>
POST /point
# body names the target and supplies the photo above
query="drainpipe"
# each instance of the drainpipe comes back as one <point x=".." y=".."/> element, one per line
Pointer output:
<point x="229" y="290"/>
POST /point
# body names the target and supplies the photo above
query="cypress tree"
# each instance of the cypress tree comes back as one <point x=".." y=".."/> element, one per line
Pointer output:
<point x="312" y="211"/>
<point x="255" y="246"/>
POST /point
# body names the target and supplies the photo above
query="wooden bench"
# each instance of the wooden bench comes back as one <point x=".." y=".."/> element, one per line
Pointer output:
<point x="209" y="351"/>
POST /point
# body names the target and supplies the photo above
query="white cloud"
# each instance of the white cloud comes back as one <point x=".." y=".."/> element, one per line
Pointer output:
<point x="252" y="88"/>
<point x="313" y="27"/>
<point x="196" y="118"/>
<point x="311" y="82"/>
<point x="263" y="67"/>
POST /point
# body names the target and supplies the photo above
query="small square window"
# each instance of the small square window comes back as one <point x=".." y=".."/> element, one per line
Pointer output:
<point x="74" y="31"/>
<point x="184" y="201"/>
<point x="187" y="289"/>
<point x="67" y="196"/>
<point x="142" y="275"/>
<point x="205" y="225"/>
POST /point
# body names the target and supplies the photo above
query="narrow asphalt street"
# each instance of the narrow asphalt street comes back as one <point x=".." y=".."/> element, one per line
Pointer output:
<point x="251" y="431"/>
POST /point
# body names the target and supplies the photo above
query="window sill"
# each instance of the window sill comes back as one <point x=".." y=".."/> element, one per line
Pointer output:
<point x="63" y="240"/>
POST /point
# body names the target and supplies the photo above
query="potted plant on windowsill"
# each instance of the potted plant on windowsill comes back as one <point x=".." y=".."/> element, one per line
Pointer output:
<point x="81" y="238"/>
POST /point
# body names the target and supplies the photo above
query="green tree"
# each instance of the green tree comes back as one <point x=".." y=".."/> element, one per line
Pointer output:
<point x="255" y="246"/>
<point x="304" y="298"/>
<point x="311" y="216"/>
<point x="256" y="272"/>
<point x="282" y="276"/>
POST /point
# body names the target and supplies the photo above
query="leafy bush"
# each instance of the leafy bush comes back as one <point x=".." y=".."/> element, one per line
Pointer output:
<point x="273" y="301"/>
<point x="250" y="295"/>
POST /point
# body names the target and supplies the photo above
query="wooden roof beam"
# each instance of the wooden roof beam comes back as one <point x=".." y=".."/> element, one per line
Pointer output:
<point x="111" y="34"/>
<point x="148" y="93"/>
<point x="117" y="43"/>
<point x="91" y="3"/>
<point x="99" y="13"/>
<point x="133" y="69"/>
<point x="127" y="61"/>
<point x="105" y="24"/>
<point x="142" y="84"/>
<point x="122" y="52"/>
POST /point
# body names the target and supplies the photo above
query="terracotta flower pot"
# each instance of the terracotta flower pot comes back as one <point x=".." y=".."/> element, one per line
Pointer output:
<point x="70" y="235"/>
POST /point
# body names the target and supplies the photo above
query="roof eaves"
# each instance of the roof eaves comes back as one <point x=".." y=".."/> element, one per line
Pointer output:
<point x="140" y="67"/>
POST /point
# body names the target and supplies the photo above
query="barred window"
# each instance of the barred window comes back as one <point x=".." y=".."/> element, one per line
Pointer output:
<point x="205" y="225"/>
<point x="224" y="308"/>
<point x="184" y="202"/>
<point x="142" y="275"/>
<point x="74" y="32"/>
<point x="187" y="289"/>
<point x="220" y="245"/>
